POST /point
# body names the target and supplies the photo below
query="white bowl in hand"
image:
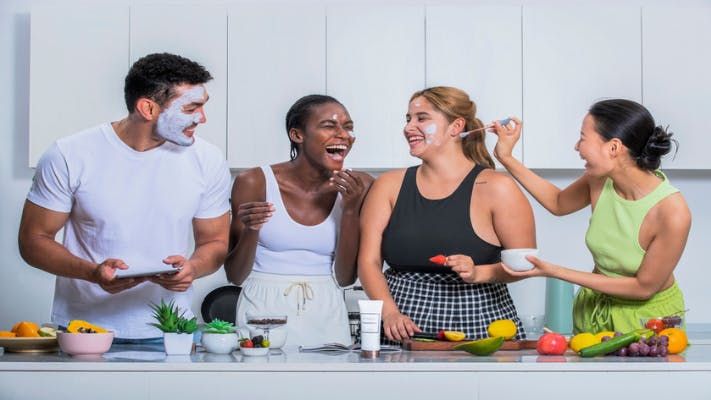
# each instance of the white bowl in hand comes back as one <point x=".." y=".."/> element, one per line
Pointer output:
<point x="515" y="259"/>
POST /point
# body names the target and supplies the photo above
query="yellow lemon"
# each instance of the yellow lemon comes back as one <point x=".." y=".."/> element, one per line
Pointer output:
<point x="502" y="327"/>
<point x="582" y="340"/>
<point x="599" y="335"/>
<point x="454" y="336"/>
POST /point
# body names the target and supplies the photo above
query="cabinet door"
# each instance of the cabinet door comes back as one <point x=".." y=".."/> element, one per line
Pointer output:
<point x="375" y="62"/>
<point x="276" y="55"/>
<point x="478" y="49"/>
<point x="78" y="64"/>
<point x="574" y="56"/>
<point x="197" y="33"/>
<point x="676" y="59"/>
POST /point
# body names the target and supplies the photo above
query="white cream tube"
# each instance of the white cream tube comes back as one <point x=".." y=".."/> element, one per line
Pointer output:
<point x="370" y="315"/>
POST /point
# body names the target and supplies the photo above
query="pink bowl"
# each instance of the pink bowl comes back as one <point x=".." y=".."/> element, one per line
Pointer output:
<point x="85" y="344"/>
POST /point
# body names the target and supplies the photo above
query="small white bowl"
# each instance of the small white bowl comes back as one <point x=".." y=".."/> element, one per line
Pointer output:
<point x="254" y="351"/>
<point x="219" y="343"/>
<point x="515" y="259"/>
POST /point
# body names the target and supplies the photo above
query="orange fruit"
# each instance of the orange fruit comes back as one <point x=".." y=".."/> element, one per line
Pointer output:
<point x="27" y="329"/>
<point x="7" y="334"/>
<point x="31" y="324"/>
<point x="677" y="339"/>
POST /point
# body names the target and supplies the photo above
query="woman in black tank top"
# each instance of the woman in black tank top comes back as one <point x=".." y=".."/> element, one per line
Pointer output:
<point x="452" y="204"/>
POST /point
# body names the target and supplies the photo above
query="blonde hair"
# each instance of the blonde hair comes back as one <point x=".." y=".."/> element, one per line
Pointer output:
<point x="455" y="103"/>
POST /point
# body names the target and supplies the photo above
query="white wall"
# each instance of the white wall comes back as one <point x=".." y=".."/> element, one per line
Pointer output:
<point x="26" y="293"/>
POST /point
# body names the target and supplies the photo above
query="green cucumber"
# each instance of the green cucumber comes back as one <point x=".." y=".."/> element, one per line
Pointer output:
<point x="611" y="345"/>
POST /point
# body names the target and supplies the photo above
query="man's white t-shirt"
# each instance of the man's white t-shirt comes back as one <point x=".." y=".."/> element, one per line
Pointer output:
<point x="130" y="205"/>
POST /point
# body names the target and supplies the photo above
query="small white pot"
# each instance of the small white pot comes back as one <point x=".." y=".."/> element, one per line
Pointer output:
<point x="219" y="343"/>
<point x="178" y="343"/>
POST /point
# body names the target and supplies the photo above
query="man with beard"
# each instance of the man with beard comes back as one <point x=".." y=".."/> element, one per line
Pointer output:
<point x="127" y="194"/>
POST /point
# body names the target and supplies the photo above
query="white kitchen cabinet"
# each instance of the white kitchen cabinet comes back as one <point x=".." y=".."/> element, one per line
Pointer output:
<point x="198" y="33"/>
<point x="375" y="61"/>
<point x="77" y="67"/>
<point x="478" y="49"/>
<point x="277" y="54"/>
<point x="574" y="56"/>
<point x="676" y="60"/>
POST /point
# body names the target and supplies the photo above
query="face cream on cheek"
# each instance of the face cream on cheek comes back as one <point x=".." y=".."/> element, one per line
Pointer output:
<point x="173" y="120"/>
<point x="370" y="317"/>
<point x="430" y="130"/>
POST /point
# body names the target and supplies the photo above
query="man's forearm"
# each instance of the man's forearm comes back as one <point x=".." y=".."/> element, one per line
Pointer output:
<point x="46" y="254"/>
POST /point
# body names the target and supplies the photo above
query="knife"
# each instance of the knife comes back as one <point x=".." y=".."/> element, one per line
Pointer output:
<point x="424" y="335"/>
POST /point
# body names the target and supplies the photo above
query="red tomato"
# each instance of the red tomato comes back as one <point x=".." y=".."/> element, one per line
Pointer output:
<point x="655" y="324"/>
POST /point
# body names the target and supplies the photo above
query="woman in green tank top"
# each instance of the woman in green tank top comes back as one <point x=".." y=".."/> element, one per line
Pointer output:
<point x="639" y="223"/>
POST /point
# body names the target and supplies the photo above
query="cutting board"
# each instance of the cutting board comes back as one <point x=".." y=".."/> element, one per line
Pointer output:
<point x="440" y="345"/>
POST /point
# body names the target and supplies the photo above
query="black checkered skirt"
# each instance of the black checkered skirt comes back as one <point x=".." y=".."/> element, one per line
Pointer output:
<point x="444" y="301"/>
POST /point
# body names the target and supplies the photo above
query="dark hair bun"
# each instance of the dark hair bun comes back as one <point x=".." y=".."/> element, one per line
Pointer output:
<point x="658" y="144"/>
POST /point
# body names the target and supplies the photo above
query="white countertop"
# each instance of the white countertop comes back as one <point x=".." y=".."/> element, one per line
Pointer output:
<point x="697" y="357"/>
<point x="145" y="372"/>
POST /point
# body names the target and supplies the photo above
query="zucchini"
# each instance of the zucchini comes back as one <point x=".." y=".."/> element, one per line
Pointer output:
<point x="611" y="345"/>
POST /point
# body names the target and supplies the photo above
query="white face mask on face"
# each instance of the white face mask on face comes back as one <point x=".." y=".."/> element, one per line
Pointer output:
<point x="173" y="120"/>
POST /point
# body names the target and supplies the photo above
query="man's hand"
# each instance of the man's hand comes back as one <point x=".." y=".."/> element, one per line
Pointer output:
<point x="105" y="276"/>
<point x="180" y="281"/>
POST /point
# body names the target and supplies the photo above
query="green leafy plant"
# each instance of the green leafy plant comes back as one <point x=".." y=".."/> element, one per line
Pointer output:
<point x="170" y="318"/>
<point x="219" y="326"/>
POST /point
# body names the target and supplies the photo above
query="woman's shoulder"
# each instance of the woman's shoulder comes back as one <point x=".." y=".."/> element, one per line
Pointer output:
<point x="496" y="182"/>
<point x="674" y="209"/>
<point x="250" y="180"/>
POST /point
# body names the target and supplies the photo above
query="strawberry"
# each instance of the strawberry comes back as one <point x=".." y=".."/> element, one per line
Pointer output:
<point x="439" y="259"/>
<point x="440" y="335"/>
<point x="247" y="343"/>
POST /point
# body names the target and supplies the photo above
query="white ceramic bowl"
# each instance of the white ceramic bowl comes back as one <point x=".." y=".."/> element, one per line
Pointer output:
<point x="219" y="343"/>
<point x="515" y="259"/>
<point x="254" y="351"/>
<point x="85" y="344"/>
<point x="277" y="336"/>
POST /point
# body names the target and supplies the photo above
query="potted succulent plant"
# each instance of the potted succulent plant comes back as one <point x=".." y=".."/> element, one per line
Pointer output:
<point x="177" y="329"/>
<point x="219" y="337"/>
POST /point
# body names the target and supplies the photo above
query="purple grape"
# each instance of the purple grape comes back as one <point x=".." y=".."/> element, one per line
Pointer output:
<point x="617" y="333"/>
<point x="663" y="351"/>
<point x="622" y="352"/>
<point x="633" y="348"/>
<point x="644" y="349"/>
<point x="653" y="351"/>
<point x="664" y="340"/>
<point x="605" y="338"/>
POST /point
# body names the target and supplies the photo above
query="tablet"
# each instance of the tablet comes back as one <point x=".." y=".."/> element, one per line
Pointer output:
<point x="136" y="272"/>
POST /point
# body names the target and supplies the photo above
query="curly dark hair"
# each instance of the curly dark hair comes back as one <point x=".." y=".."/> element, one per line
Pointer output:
<point x="155" y="76"/>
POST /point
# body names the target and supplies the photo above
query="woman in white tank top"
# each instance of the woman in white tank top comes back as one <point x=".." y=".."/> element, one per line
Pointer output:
<point x="294" y="234"/>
